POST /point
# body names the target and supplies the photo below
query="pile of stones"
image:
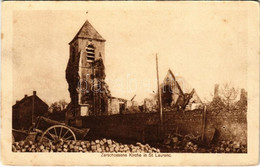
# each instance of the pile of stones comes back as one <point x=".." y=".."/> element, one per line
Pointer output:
<point x="191" y="147"/>
<point x="230" y="147"/>
<point x="180" y="144"/>
<point x="104" y="145"/>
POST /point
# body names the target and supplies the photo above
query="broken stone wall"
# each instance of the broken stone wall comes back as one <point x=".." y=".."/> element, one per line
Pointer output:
<point x="231" y="126"/>
<point x="144" y="126"/>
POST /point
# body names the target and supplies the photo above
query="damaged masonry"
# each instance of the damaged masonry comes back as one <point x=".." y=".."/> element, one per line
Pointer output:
<point x="85" y="74"/>
<point x="90" y="96"/>
<point x="89" y="93"/>
<point x="178" y="94"/>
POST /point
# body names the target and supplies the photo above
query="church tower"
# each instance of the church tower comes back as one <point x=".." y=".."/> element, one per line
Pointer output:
<point x="85" y="73"/>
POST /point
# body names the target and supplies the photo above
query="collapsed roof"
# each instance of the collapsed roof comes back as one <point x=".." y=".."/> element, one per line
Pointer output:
<point x="177" y="91"/>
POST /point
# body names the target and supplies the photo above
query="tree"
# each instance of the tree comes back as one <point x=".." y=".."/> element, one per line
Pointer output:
<point x="57" y="110"/>
<point x="229" y="94"/>
<point x="63" y="104"/>
<point x="58" y="106"/>
<point x="223" y="99"/>
<point x="216" y="105"/>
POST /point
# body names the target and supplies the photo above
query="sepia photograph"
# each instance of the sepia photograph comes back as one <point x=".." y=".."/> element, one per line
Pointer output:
<point x="151" y="80"/>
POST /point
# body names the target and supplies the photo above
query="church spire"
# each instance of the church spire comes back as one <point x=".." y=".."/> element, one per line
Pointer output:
<point x="87" y="31"/>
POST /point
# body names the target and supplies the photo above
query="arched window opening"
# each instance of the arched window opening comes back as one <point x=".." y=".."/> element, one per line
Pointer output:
<point x="90" y="53"/>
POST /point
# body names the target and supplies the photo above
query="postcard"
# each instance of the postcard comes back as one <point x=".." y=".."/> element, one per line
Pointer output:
<point x="130" y="83"/>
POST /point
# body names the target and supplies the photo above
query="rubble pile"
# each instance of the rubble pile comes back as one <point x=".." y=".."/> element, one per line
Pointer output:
<point x="179" y="144"/>
<point x="183" y="144"/>
<point x="230" y="147"/>
<point x="190" y="147"/>
<point x="104" y="145"/>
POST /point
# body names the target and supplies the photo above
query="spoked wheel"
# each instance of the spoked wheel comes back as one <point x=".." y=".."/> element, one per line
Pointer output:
<point x="57" y="134"/>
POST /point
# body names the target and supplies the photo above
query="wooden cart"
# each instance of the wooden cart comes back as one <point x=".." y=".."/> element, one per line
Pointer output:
<point x="49" y="130"/>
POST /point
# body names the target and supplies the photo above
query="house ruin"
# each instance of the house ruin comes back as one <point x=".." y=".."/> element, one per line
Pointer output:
<point x="177" y="93"/>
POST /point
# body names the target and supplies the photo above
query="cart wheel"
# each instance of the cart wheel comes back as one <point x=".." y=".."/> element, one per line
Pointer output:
<point x="57" y="134"/>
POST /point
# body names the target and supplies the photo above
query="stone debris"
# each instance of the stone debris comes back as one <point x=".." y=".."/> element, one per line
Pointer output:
<point x="172" y="144"/>
<point x="182" y="144"/>
<point x="230" y="147"/>
<point x="104" y="145"/>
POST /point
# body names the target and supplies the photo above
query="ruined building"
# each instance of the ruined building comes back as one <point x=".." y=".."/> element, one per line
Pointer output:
<point x="177" y="93"/>
<point x="242" y="102"/>
<point x="85" y="74"/>
<point x="89" y="93"/>
<point x="216" y="91"/>
<point x="243" y="95"/>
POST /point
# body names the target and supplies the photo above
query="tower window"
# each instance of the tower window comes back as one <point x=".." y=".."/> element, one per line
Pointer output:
<point x="90" y="53"/>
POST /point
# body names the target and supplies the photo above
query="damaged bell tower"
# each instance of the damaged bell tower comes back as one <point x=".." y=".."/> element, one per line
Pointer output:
<point x="85" y="74"/>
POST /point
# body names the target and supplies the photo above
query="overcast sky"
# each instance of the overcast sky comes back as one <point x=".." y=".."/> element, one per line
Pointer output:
<point x="203" y="46"/>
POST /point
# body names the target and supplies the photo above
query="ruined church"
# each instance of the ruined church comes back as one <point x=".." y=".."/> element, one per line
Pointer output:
<point x="89" y="93"/>
<point x="85" y="74"/>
